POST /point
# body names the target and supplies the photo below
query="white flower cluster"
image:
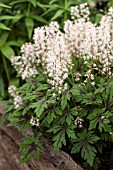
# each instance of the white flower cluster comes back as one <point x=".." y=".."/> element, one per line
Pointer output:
<point x="55" y="57"/>
<point x="81" y="38"/>
<point x="80" y="11"/>
<point x="54" y="49"/>
<point x="105" y="43"/>
<point x="34" y="121"/>
<point x="77" y="77"/>
<point x="43" y="40"/>
<point x="17" y="97"/>
<point x="49" y="49"/>
<point x="11" y="90"/>
<point x="26" y="64"/>
<point x="90" y="76"/>
<point x="79" y="122"/>
<point x="89" y="41"/>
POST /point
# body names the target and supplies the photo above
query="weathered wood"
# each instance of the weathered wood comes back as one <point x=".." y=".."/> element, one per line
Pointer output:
<point x="9" y="156"/>
<point x="63" y="161"/>
<point x="10" y="137"/>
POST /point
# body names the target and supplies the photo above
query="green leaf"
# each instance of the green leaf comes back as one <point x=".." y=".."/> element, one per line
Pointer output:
<point x="69" y="118"/>
<point x="98" y="18"/>
<point x="29" y="25"/>
<point x="88" y="152"/>
<point x="75" y="90"/>
<point x="24" y="126"/>
<point x="4" y="27"/>
<point x="6" y="17"/>
<point x="17" y="17"/>
<point x="59" y="141"/>
<point x="9" y="17"/>
<point x="3" y="38"/>
<point x="33" y="2"/>
<point x="13" y="43"/>
<point x="70" y="2"/>
<point x="40" y="5"/>
<point x="54" y="129"/>
<point x="7" y="51"/>
<point x="52" y="1"/>
<point x="96" y="118"/>
<point x="58" y="14"/>
<point x="14" y="81"/>
<point x="76" y="147"/>
<point x="4" y="6"/>
<point x="30" y="146"/>
<point x="37" y="155"/>
<point x="111" y="3"/>
<point x="82" y="145"/>
<point x="93" y="124"/>
<point x="39" y="107"/>
<point x="39" y="18"/>
<point x="105" y="125"/>
<point x="51" y="8"/>
<point x="3" y="118"/>
<point x="71" y="133"/>
<point x="64" y="100"/>
<point x="58" y="111"/>
<point x="42" y="87"/>
<point x="51" y="116"/>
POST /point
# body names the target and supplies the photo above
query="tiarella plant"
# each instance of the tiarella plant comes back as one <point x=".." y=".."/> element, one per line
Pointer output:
<point x="67" y="97"/>
<point x="18" y="20"/>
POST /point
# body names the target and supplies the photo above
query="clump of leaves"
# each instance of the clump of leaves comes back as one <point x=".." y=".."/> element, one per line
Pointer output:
<point x="58" y="115"/>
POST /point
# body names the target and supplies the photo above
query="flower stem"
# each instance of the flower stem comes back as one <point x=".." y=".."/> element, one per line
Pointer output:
<point x="65" y="13"/>
<point x="6" y="68"/>
<point x="28" y="10"/>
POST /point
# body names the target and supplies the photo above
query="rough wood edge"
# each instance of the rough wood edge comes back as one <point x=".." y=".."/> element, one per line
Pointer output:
<point x="49" y="159"/>
<point x="62" y="161"/>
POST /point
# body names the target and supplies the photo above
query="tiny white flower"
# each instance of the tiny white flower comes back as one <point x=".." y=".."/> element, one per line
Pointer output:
<point x="53" y="94"/>
<point x="92" y="83"/>
<point x="34" y="121"/>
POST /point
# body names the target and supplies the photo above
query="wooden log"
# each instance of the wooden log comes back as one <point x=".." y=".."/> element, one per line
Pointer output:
<point x="10" y="137"/>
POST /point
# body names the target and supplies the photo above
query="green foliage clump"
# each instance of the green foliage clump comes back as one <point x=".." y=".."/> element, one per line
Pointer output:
<point x="90" y="105"/>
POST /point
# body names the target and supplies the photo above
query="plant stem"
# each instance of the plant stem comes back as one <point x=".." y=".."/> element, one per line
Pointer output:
<point x="65" y="3"/>
<point x="65" y="13"/>
<point x="28" y="10"/>
<point x="5" y="67"/>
